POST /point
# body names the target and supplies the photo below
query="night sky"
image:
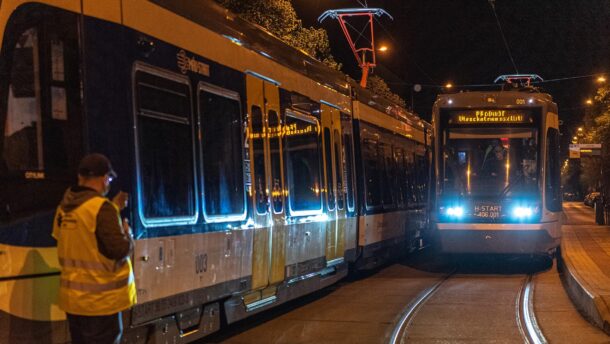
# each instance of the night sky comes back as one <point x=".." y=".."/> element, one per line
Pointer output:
<point x="436" y="41"/>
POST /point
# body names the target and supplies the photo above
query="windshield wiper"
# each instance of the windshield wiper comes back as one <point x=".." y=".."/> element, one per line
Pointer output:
<point x="451" y="161"/>
<point x="517" y="181"/>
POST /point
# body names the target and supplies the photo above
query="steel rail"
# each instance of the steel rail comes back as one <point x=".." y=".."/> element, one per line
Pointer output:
<point x="526" y="318"/>
<point x="412" y="308"/>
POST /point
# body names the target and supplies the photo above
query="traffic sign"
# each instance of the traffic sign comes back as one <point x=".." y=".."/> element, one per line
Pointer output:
<point x="585" y="149"/>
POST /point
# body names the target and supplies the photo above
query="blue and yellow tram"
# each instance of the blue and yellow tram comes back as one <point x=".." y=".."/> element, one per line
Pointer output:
<point x="497" y="170"/>
<point x="256" y="174"/>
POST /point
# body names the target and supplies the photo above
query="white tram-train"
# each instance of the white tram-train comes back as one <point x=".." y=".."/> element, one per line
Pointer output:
<point x="256" y="174"/>
<point x="497" y="170"/>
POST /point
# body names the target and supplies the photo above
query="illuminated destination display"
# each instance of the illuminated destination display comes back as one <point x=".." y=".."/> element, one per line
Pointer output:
<point x="292" y="129"/>
<point x="490" y="116"/>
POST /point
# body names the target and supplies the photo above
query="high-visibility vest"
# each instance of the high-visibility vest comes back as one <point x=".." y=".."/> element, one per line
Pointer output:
<point x="90" y="284"/>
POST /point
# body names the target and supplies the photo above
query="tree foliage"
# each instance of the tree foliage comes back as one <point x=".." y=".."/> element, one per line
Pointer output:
<point x="597" y="130"/>
<point x="379" y="86"/>
<point x="280" y="18"/>
<point x="315" y="43"/>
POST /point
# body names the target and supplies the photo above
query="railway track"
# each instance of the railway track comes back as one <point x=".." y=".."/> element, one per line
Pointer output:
<point x="524" y="316"/>
<point x="410" y="312"/>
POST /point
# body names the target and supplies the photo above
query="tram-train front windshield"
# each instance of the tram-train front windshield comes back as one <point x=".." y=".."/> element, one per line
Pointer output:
<point x="490" y="163"/>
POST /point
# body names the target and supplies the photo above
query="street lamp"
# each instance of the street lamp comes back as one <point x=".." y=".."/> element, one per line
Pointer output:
<point x="383" y="48"/>
<point x="589" y="102"/>
<point x="416" y="88"/>
<point x="601" y="79"/>
<point x="448" y="85"/>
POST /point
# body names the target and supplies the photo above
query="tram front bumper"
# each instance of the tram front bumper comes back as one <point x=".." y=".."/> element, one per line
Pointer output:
<point x="536" y="238"/>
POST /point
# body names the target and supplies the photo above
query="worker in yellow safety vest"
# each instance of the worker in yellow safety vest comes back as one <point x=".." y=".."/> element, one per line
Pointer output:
<point x="94" y="245"/>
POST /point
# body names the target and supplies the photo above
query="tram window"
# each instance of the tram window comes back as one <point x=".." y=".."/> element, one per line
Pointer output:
<point x="221" y="146"/>
<point x="372" y="173"/>
<point x="411" y="177"/>
<point x="404" y="175"/>
<point x="422" y="182"/>
<point x="23" y="144"/>
<point x="163" y="97"/>
<point x="348" y="171"/>
<point x="420" y="178"/>
<point x="387" y="185"/>
<point x="399" y="176"/>
<point x="329" y="170"/>
<point x="277" y="187"/>
<point x="552" y="189"/>
<point x="416" y="178"/>
<point x="303" y="168"/>
<point x="258" y="144"/>
<point x="166" y="171"/>
<point x="40" y="114"/>
<point x="339" y="171"/>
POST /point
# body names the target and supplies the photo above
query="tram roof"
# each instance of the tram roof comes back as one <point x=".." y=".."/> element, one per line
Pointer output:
<point x="254" y="37"/>
<point x="494" y="98"/>
<point x="387" y="107"/>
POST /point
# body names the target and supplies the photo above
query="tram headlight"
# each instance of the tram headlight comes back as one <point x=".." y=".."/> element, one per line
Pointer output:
<point x="522" y="213"/>
<point x="454" y="212"/>
<point x="525" y="211"/>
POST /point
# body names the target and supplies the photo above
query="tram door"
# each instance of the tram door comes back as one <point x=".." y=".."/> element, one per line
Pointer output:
<point x="264" y="126"/>
<point x="333" y="176"/>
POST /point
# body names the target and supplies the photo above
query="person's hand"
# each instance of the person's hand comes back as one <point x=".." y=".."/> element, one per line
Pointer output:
<point x="121" y="200"/>
<point x="126" y="227"/>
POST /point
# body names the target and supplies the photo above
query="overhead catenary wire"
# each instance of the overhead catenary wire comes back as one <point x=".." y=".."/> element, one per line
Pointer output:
<point x="491" y="84"/>
<point x="492" y="3"/>
<point x="434" y="83"/>
<point x="400" y="47"/>
<point x="394" y="41"/>
<point x="363" y="3"/>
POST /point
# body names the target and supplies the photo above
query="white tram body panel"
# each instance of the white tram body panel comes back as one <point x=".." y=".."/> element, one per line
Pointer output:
<point x="190" y="262"/>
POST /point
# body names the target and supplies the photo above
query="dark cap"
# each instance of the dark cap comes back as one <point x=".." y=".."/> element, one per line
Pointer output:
<point x="95" y="165"/>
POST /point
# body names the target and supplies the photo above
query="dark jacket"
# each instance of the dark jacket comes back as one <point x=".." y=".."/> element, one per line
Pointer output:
<point x="112" y="242"/>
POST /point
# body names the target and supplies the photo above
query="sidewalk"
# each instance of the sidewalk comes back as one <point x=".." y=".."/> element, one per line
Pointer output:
<point x="585" y="270"/>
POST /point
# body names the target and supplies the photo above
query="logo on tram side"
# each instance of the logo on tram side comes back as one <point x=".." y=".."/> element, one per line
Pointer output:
<point x="190" y="64"/>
